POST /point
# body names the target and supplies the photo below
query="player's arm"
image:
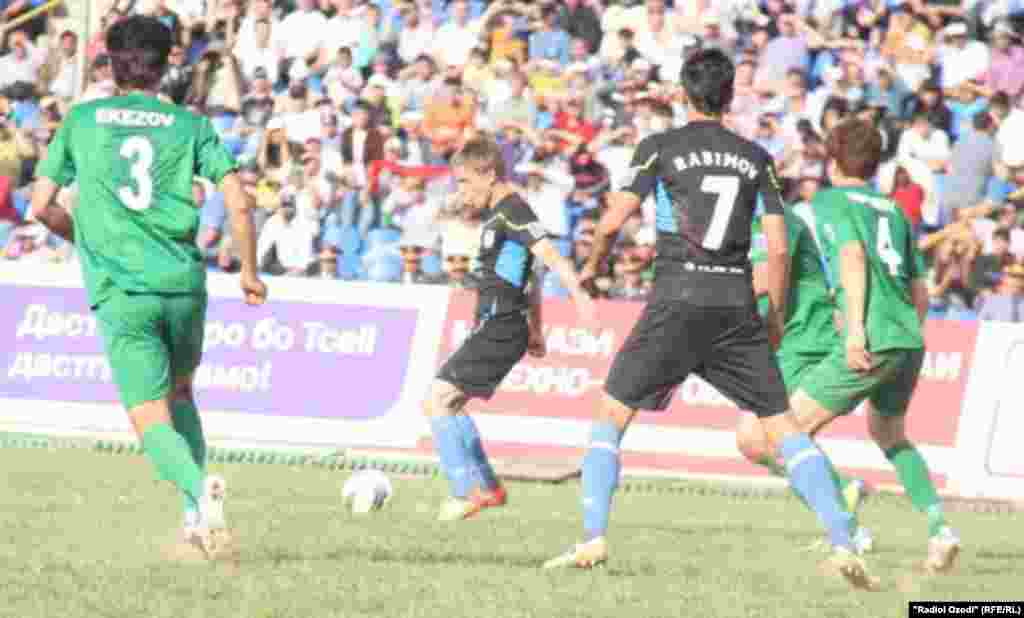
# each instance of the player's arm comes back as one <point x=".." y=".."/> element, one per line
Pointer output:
<point x="215" y="163"/>
<point x="549" y="255"/>
<point x="44" y="210"/>
<point x="621" y="204"/>
<point x="239" y="205"/>
<point x="776" y="265"/>
<point x="918" y="282"/>
<point x="535" y="317"/>
<point x="55" y="171"/>
<point x="853" y="278"/>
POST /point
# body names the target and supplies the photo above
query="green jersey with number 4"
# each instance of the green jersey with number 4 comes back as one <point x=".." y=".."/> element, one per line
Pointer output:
<point x="860" y="214"/>
<point x="810" y="328"/>
<point x="134" y="159"/>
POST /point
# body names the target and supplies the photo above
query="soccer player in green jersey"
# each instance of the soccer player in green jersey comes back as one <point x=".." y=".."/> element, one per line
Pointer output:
<point x="882" y="298"/>
<point x="134" y="159"/>
<point x="809" y="337"/>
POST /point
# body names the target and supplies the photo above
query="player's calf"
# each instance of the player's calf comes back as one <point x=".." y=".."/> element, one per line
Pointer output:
<point x="472" y="481"/>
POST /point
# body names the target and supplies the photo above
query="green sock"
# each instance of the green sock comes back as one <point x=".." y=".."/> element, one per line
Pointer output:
<point x="913" y="473"/>
<point x="186" y="422"/>
<point x="170" y="455"/>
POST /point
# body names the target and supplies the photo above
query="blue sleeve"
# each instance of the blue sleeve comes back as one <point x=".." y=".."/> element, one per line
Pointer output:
<point x="534" y="51"/>
<point x="564" y="59"/>
<point x="998" y="190"/>
<point x="214" y="213"/>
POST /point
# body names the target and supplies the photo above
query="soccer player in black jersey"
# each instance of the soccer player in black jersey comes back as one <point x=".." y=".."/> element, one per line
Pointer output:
<point x="701" y="316"/>
<point x="508" y="324"/>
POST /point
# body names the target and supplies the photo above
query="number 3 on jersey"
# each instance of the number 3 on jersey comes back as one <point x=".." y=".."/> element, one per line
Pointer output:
<point x="886" y="251"/>
<point x="725" y="189"/>
<point x="139" y="151"/>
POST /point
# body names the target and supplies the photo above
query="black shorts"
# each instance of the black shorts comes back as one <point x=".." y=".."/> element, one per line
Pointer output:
<point x="478" y="367"/>
<point x="728" y="347"/>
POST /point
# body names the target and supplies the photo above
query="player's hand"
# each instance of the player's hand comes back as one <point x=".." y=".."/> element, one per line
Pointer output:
<point x="254" y="290"/>
<point x="857" y="356"/>
<point x="537" y="346"/>
<point x="586" y="277"/>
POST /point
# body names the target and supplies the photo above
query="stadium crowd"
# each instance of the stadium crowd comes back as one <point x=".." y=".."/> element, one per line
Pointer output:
<point x="344" y="114"/>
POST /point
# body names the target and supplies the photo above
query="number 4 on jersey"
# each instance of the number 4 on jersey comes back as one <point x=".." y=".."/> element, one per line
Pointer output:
<point x="886" y="251"/>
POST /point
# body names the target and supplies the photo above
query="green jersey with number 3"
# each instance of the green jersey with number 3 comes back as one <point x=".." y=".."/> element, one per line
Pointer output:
<point x="134" y="159"/>
<point x="810" y="327"/>
<point x="862" y="215"/>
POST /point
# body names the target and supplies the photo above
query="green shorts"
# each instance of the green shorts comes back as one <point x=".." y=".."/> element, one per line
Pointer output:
<point x="795" y="367"/>
<point x="151" y="341"/>
<point x="889" y="386"/>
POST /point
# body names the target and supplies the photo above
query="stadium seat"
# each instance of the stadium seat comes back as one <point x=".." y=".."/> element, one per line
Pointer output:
<point x="431" y="264"/>
<point x="383" y="236"/>
<point x="384" y="267"/>
<point x="350" y="267"/>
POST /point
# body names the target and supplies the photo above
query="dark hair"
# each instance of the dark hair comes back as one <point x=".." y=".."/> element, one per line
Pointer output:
<point x="707" y="77"/>
<point x="138" y="48"/>
<point x="856" y="146"/>
<point x="1002" y="233"/>
<point x="481" y="154"/>
<point x="983" y="120"/>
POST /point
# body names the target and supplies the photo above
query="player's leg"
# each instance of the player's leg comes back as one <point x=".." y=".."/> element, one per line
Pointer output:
<point x="475" y="371"/>
<point x="132" y="329"/>
<point x="887" y="424"/>
<point x="754" y="445"/>
<point x="185" y="318"/>
<point x="662" y="349"/>
<point x="743" y="368"/>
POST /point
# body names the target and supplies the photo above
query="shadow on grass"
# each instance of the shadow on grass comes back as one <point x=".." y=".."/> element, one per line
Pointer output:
<point x="278" y="557"/>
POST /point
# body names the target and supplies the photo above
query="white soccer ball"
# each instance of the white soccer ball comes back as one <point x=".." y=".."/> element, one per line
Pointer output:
<point x="366" y="491"/>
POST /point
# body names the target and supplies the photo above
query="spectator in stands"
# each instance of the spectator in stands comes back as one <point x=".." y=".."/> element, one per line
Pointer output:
<point x="415" y="244"/>
<point x="361" y="143"/>
<point x="22" y="63"/>
<point x="290" y="237"/>
<point x="970" y="167"/>
<point x="457" y="262"/>
<point x="908" y="195"/>
<point x="953" y="269"/>
<point x="62" y="68"/>
<point x="990" y="267"/>
<point x="1006" y="305"/>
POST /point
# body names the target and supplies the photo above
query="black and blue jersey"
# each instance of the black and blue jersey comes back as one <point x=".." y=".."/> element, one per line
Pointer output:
<point x="706" y="181"/>
<point x="510" y="230"/>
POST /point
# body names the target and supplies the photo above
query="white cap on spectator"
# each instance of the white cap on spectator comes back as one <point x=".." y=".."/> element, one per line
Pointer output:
<point x="1011" y="138"/>
<point x="409" y="117"/>
<point x="1004" y="29"/>
<point x="640" y="64"/>
<point x="299" y="71"/>
<point x="645" y="236"/>
<point x="710" y="19"/>
<point x="379" y="81"/>
<point x="454" y="245"/>
<point x="957" y="28"/>
<point x="419" y="236"/>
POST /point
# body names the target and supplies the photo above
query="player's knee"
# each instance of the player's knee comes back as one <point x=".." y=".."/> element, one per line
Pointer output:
<point x="887" y="432"/>
<point x="751" y="439"/>
<point x="613" y="410"/>
<point x="444" y="400"/>
<point x="182" y="390"/>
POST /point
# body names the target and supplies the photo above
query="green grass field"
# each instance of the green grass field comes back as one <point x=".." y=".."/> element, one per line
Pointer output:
<point x="81" y="534"/>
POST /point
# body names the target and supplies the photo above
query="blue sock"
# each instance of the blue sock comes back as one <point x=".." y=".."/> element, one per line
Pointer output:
<point x="451" y="450"/>
<point x="480" y="467"/>
<point x="600" y="477"/>
<point x="809" y="474"/>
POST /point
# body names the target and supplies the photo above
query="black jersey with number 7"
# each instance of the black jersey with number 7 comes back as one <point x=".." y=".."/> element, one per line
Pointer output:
<point x="705" y="181"/>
